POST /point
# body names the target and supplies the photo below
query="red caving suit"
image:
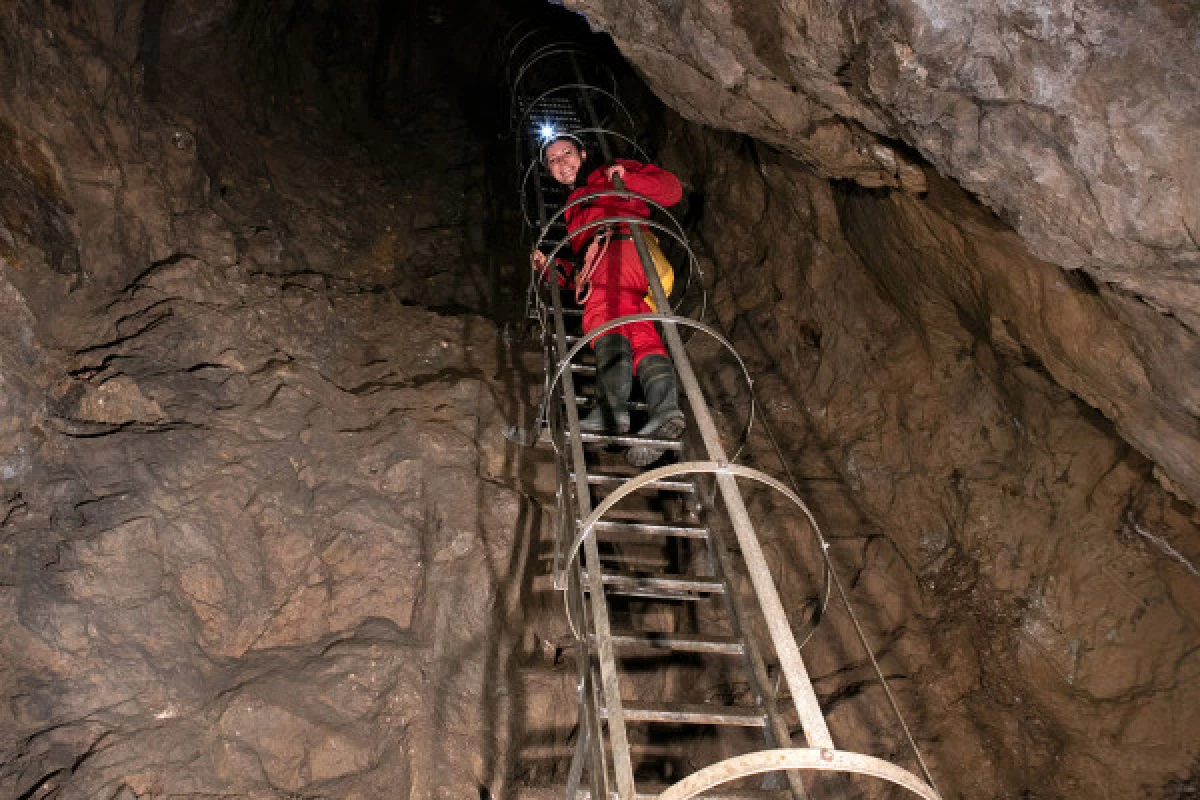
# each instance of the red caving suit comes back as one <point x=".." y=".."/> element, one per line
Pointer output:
<point x="619" y="284"/>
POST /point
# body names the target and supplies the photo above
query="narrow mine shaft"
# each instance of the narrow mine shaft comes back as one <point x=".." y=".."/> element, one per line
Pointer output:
<point x="291" y="458"/>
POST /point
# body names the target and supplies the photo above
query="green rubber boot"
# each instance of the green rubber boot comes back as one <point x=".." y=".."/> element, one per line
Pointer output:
<point x="614" y="382"/>
<point x="666" y="421"/>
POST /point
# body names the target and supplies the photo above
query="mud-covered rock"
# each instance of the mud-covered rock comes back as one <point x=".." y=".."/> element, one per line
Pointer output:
<point x="1031" y="588"/>
<point x="252" y="495"/>
<point x="1075" y="121"/>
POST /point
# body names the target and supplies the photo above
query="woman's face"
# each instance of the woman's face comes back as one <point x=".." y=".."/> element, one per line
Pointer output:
<point x="564" y="159"/>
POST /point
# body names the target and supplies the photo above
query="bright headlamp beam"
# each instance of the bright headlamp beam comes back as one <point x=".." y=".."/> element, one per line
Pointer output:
<point x="548" y="132"/>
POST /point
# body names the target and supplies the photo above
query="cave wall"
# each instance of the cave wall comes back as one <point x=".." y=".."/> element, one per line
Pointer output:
<point x="1032" y="586"/>
<point x="254" y="520"/>
<point x="244" y="481"/>
<point x="960" y="248"/>
<point x="1077" y="123"/>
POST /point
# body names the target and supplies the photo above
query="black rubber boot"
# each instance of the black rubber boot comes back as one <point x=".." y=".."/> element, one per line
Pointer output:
<point x="614" y="382"/>
<point x="666" y="421"/>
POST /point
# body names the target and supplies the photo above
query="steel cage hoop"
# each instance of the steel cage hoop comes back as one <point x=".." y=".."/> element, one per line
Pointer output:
<point x="553" y="37"/>
<point x="738" y="470"/>
<point x="518" y="25"/>
<point x="503" y="53"/>
<point x="546" y="51"/>
<point x="600" y="330"/>
<point x="525" y="193"/>
<point x="606" y="132"/>
<point x="512" y="51"/>
<point x="693" y="262"/>
<point x="582" y="87"/>
<point x="570" y="555"/>
<point x="802" y="758"/>
<point x="516" y="128"/>
<point x="570" y="46"/>
<point x="520" y="124"/>
<point x="611" y="132"/>
<point x="616" y="323"/>
<point x="678" y="235"/>
<point x="526" y="60"/>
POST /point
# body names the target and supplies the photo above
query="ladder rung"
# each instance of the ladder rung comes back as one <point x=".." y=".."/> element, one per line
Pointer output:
<point x="584" y="399"/>
<point x="622" y="513"/>
<point x="723" y="794"/>
<point x="679" y="642"/>
<point x="651" y="529"/>
<point x="635" y="561"/>
<point x="629" y="440"/>
<point x="556" y="793"/>
<point x="622" y="440"/>
<point x="681" y="587"/>
<point x="615" y="481"/>
<point x="691" y="714"/>
<point x="583" y="369"/>
<point x="632" y="560"/>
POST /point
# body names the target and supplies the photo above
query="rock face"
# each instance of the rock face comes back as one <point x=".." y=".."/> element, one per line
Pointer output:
<point x="254" y="520"/>
<point x="1075" y="121"/>
<point x="1033" y="591"/>
<point x="258" y="526"/>
<point x="1078" y="123"/>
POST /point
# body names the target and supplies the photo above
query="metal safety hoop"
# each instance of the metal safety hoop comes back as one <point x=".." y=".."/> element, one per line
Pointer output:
<point x="547" y="52"/>
<point x="707" y="468"/>
<point x="693" y="262"/>
<point x="574" y="132"/>
<point x="563" y="87"/>
<point x="600" y="330"/>
<point x="533" y="48"/>
<point x="809" y="759"/>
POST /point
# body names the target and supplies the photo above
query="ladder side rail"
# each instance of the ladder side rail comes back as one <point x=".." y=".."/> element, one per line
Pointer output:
<point x="567" y="510"/>
<point x="804" y="696"/>
<point x="589" y="749"/>
<point x="540" y="198"/>
<point x="778" y="733"/>
<point x="589" y="722"/>
<point x="815" y="729"/>
<point x="589" y="717"/>
<point x="609" y="684"/>
<point x="794" y="758"/>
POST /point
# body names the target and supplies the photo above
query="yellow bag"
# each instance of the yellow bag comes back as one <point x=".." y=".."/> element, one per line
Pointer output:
<point x="666" y="275"/>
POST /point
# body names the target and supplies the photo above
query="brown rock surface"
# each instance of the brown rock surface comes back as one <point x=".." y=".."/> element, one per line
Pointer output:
<point x="1079" y="123"/>
<point x="1075" y="121"/>
<point x="1033" y="590"/>
<point x="254" y="513"/>
<point x="257" y="533"/>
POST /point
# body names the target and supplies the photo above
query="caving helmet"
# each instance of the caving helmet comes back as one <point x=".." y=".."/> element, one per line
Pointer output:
<point x="549" y="135"/>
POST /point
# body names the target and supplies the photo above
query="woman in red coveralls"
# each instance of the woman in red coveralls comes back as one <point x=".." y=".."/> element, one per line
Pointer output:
<point x="618" y="288"/>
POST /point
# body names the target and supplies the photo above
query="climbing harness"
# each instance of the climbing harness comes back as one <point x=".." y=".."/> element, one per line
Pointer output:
<point x="598" y="248"/>
<point x="707" y="560"/>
